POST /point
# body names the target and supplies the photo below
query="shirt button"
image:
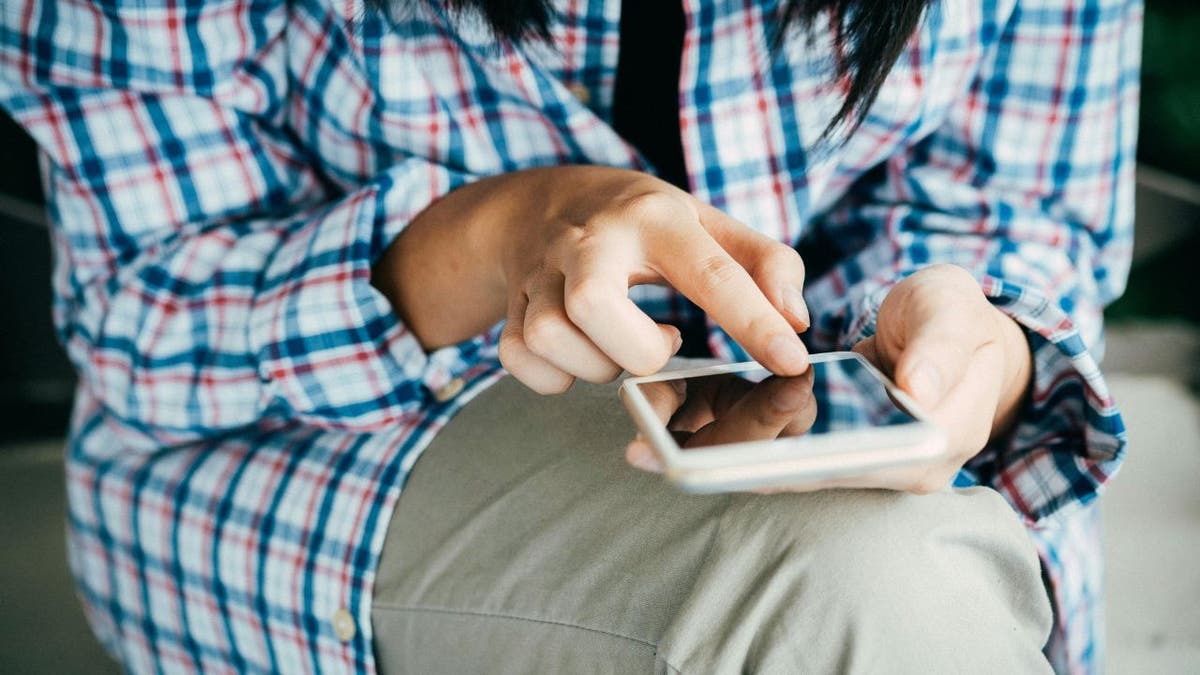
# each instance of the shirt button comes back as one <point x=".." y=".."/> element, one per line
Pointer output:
<point x="449" y="390"/>
<point x="343" y="625"/>
<point x="580" y="92"/>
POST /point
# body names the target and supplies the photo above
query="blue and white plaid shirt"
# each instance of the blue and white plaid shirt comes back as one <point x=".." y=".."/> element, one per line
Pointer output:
<point x="222" y="174"/>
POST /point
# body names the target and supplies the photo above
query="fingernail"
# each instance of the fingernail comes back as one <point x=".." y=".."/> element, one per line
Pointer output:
<point x="794" y="300"/>
<point x="678" y="343"/>
<point x="787" y="354"/>
<point x="926" y="383"/>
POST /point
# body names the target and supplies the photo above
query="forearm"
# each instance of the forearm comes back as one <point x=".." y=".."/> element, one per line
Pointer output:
<point x="441" y="274"/>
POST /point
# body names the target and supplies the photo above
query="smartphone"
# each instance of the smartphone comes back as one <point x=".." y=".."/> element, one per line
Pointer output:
<point x="719" y="428"/>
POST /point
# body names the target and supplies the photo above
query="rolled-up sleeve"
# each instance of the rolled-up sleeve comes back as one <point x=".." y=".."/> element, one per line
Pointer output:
<point x="208" y="273"/>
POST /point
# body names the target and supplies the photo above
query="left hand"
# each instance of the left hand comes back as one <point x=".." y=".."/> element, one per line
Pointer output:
<point x="720" y="409"/>
<point x="967" y="364"/>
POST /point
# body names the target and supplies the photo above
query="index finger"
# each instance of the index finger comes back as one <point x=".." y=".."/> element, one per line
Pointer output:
<point x="696" y="265"/>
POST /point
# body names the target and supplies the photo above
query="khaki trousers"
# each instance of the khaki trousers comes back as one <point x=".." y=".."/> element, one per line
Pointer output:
<point x="523" y="543"/>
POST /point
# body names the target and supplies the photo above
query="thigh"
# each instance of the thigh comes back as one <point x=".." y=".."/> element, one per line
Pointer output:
<point x="523" y="542"/>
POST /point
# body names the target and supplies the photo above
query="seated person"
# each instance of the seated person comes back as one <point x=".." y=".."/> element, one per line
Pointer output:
<point x="315" y="258"/>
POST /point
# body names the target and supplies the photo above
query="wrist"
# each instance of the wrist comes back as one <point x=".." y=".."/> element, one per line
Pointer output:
<point x="1017" y="373"/>
<point x="487" y="231"/>
<point x="443" y="273"/>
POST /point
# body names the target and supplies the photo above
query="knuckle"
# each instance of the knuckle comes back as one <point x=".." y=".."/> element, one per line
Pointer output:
<point x="520" y="364"/>
<point x="781" y="256"/>
<point x="591" y="231"/>
<point x="592" y="248"/>
<point x="584" y="298"/>
<point x="761" y="327"/>
<point x="543" y="332"/>
<point x="592" y="237"/>
<point x="652" y="206"/>
<point x="714" y="272"/>
<point x="588" y="240"/>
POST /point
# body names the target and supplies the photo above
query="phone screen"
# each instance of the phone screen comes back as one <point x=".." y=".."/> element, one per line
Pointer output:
<point x="835" y="395"/>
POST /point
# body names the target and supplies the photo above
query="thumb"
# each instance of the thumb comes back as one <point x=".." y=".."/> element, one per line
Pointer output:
<point x="932" y="362"/>
<point x="867" y="348"/>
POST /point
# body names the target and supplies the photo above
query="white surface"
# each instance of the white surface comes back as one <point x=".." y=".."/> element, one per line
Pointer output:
<point x="1152" y="531"/>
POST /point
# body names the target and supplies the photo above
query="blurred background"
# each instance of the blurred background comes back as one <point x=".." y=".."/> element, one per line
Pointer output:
<point x="1152" y="512"/>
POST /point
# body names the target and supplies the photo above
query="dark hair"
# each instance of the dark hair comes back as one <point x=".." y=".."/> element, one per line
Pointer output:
<point x="868" y="36"/>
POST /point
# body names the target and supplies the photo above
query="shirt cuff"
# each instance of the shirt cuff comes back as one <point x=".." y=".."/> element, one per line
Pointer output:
<point x="1069" y="438"/>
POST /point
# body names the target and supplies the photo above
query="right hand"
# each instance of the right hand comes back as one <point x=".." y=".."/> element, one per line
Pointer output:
<point x="601" y="230"/>
<point x="555" y="250"/>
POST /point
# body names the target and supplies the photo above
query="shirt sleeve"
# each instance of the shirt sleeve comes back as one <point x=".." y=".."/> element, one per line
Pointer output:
<point x="1028" y="184"/>
<point x="208" y="273"/>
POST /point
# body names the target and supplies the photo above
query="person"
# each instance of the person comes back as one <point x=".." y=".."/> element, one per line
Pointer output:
<point x="299" y="244"/>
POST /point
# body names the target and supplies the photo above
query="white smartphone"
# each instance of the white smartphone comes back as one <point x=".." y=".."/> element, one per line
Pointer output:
<point x="719" y="428"/>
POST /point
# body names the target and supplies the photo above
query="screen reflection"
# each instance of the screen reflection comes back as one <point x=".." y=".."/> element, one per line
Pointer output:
<point x="832" y="396"/>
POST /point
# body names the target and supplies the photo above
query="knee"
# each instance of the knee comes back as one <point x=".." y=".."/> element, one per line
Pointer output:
<point x="950" y="573"/>
<point x="935" y="551"/>
<point x="876" y="575"/>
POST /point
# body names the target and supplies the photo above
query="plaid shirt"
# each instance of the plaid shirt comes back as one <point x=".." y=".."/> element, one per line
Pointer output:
<point x="221" y="175"/>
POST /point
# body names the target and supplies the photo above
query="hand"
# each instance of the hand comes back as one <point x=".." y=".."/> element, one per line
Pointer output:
<point x="964" y="362"/>
<point x="556" y="250"/>
<point x="721" y="409"/>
